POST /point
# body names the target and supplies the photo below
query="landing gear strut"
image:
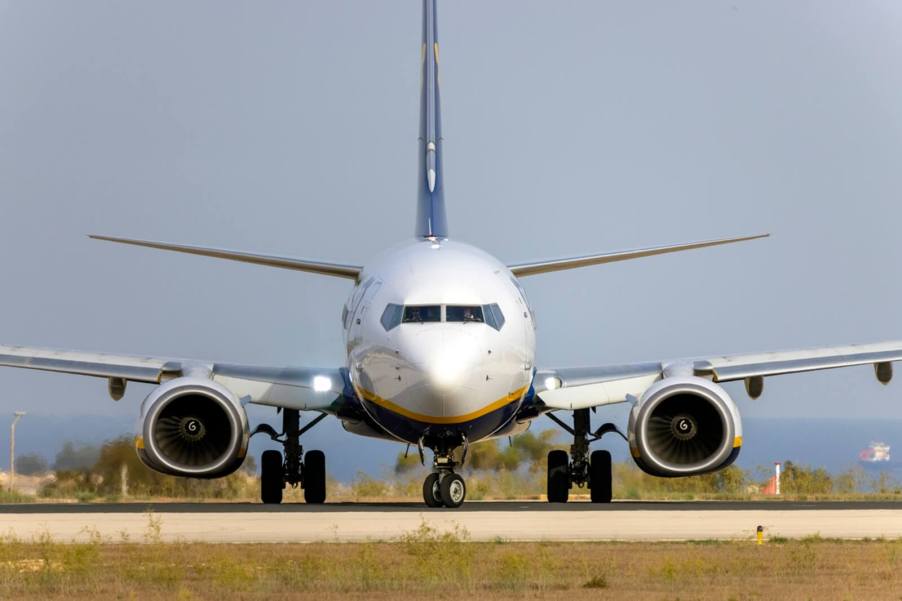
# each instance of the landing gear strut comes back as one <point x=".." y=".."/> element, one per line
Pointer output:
<point x="298" y="469"/>
<point x="443" y="487"/>
<point x="579" y="467"/>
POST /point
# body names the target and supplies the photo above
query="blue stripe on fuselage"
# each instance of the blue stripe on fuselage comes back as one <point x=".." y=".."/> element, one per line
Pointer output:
<point x="412" y="431"/>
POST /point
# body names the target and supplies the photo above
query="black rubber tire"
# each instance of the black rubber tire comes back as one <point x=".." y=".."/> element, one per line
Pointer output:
<point x="600" y="477"/>
<point x="558" y="476"/>
<point x="453" y="490"/>
<point x="272" y="477"/>
<point x="314" y="477"/>
<point x="431" y="491"/>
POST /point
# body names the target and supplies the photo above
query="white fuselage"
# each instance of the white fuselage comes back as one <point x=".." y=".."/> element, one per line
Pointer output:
<point x="427" y="352"/>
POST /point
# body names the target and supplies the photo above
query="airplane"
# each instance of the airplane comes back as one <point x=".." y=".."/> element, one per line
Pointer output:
<point x="440" y="341"/>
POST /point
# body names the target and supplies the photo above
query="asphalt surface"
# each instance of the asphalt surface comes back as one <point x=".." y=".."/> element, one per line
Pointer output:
<point x="473" y="506"/>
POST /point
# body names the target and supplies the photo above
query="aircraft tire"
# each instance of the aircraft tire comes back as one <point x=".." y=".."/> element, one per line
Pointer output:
<point x="314" y="477"/>
<point x="272" y="477"/>
<point x="432" y="493"/>
<point x="453" y="490"/>
<point x="600" y="477"/>
<point x="558" y="476"/>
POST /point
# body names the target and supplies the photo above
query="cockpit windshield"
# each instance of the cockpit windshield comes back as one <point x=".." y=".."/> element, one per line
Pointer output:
<point x="466" y="314"/>
<point x="422" y="313"/>
<point x="394" y="315"/>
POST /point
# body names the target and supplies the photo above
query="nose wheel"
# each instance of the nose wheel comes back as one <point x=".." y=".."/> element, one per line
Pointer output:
<point x="444" y="490"/>
<point x="443" y="487"/>
<point x="432" y="492"/>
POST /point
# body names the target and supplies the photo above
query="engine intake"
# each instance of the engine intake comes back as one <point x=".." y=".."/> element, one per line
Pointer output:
<point x="684" y="426"/>
<point x="193" y="427"/>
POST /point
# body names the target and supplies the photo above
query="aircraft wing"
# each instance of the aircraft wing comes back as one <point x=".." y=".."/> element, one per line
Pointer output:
<point x="521" y="270"/>
<point x="583" y="387"/>
<point x="338" y="270"/>
<point x="305" y="388"/>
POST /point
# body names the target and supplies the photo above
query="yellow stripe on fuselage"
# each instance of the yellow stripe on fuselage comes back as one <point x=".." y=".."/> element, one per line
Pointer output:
<point x="431" y="419"/>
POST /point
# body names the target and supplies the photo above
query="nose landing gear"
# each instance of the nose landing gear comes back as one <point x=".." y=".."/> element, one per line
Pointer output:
<point x="448" y="490"/>
<point x="444" y="487"/>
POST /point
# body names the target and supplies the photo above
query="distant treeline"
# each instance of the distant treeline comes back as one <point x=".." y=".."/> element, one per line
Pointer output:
<point x="501" y="469"/>
<point x="517" y="469"/>
<point x="85" y="471"/>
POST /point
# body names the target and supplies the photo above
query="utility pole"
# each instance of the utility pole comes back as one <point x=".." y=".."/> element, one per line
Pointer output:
<point x="123" y="480"/>
<point x="12" y="447"/>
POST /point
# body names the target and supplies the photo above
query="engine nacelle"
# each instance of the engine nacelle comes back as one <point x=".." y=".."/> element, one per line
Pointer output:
<point x="192" y="427"/>
<point x="683" y="426"/>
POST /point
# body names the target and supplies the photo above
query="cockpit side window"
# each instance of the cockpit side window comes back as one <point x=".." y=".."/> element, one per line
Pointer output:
<point x="493" y="315"/>
<point x="520" y="289"/>
<point x="525" y="301"/>
<point x="422" y="313"/>
<point x="391" y="317"/>
<point x="464" y="313"/>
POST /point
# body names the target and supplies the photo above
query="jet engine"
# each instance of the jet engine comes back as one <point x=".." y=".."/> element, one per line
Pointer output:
<point x="192" y="427"/>
<point x="683" y="426"/>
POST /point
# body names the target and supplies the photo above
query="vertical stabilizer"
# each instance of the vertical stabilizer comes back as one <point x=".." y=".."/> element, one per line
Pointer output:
<point x="431" y="219"/>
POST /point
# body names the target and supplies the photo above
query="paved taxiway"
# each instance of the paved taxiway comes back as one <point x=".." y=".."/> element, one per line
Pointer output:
<point x="514" y="521"/>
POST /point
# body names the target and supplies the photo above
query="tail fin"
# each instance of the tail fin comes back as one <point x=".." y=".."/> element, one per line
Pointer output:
<point x="431" y="218"/>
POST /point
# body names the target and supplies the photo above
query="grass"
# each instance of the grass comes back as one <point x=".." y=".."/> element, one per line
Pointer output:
<point x="430" y="564"/>
<point x="12" y="496"/>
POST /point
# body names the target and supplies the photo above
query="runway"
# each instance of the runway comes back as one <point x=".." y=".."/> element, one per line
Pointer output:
<point x="470" y="506"/>
<point x="508" y="521"/>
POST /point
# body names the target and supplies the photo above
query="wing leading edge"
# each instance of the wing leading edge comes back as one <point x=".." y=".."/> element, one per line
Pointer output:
<point x="583" y="387"/>
<point x="304" y="388"/>
<point x="338" y="270"/>
<point x="546" y="266"/>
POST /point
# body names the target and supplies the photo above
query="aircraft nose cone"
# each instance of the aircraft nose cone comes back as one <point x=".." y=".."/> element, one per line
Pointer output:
<point x="445" y="359"/>
<point x="445" y="370"/>
<point x="445" y="363"/>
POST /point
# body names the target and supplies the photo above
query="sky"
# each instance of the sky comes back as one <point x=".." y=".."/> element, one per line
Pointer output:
<point x="571" y="127"/>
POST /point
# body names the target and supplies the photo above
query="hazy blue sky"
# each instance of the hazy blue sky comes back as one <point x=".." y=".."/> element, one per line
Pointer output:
<point x="571" y="127"/>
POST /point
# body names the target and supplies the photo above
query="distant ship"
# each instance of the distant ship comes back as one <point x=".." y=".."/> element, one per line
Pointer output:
<point x="876" y="456"/>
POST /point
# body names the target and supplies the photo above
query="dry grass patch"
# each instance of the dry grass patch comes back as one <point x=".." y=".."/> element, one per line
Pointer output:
<point x="444" y="565"/>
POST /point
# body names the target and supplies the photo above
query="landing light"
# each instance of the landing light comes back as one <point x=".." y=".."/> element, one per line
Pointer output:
<point x="552" y="383"/>
<point x="322" y="384"/>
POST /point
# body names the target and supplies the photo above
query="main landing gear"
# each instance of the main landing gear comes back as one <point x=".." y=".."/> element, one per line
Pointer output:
<point x="307" y="470"/>
<point x="443" y="487"/>
<point x="579" y="467"/>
